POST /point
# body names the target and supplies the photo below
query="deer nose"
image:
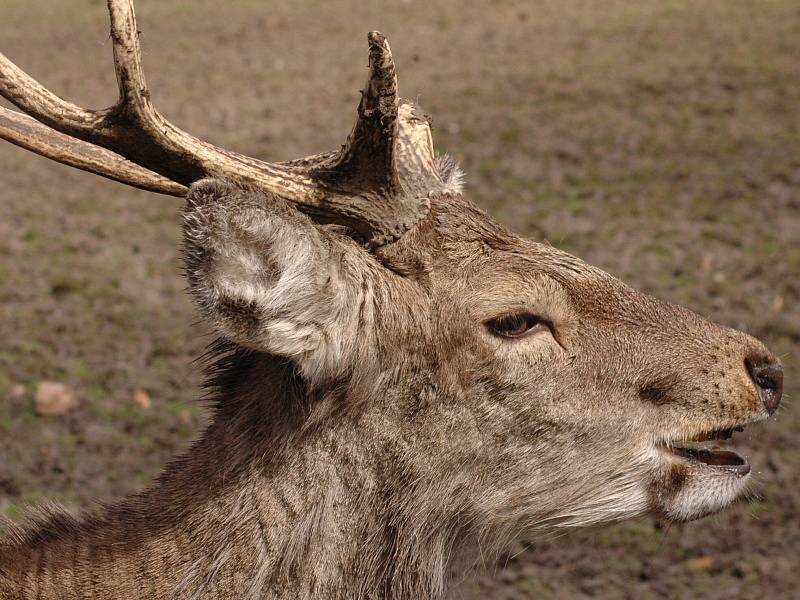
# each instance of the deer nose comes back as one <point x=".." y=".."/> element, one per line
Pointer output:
<point x="767" y="375"/>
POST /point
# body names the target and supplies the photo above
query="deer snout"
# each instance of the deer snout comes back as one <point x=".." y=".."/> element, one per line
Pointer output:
<point x="766" y="374"/>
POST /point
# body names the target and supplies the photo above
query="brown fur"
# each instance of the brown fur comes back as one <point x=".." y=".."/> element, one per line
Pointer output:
<point x="370" y="436"/>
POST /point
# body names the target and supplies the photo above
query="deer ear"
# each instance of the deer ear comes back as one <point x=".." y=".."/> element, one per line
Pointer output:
<point x="265" y="275"/>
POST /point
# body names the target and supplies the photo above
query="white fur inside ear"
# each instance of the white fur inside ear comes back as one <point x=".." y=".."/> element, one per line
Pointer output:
<point x="266" y="276"/>
<point x="293" y="286"/>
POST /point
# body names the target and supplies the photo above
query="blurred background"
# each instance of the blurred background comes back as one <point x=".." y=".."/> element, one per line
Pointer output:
<point x="658" y="139"/>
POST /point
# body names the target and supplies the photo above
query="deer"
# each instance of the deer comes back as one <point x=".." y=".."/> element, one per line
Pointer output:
<point x="401" y="388"/>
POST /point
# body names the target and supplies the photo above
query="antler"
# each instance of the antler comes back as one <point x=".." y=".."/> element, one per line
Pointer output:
<point x="378" y="183"/>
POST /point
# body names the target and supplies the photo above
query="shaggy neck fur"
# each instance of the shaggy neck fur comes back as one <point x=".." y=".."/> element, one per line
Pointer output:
<point x="287" y="508"/>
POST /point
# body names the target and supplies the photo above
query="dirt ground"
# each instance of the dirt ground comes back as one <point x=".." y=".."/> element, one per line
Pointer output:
<point x="659" y="140"/>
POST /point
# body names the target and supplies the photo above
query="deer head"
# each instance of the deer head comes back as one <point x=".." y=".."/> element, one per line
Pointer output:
<point x="484" y="384"/>
<point x="525" y="381"/>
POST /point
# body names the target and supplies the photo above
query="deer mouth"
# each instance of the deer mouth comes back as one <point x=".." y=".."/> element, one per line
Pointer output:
<point x="705" y="450"/>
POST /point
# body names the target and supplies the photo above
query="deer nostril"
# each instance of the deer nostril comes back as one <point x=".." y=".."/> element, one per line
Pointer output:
<point x="767" y="374"/>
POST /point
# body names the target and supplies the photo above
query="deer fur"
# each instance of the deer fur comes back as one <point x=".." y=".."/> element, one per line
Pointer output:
<point x="370" y="438"/>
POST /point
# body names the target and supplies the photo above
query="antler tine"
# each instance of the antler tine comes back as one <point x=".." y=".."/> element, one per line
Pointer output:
<point x="390" y="144"/>
<point x="133" y="94"/>
<point x="377" y="163"/>
<point x="199" y="158"/>
<point x="367" y="154"/>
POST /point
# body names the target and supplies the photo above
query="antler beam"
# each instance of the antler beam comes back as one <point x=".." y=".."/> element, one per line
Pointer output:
<point x="377" y="184"/>
<point x="28" y="133"/>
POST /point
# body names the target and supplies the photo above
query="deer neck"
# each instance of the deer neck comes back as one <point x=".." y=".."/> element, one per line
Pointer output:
<point x="262" y="505"/>
<point x="329" y="505"/>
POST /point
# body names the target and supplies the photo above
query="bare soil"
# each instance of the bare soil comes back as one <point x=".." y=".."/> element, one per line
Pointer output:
<point x="657" y="139"/>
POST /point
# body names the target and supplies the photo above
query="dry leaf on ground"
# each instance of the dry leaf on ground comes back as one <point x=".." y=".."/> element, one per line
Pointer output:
<point x="142" y="398"/>
<point x="53" y="398"/>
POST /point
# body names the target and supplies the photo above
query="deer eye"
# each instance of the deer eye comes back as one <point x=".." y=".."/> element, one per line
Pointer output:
<point x="517" y="325"/>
